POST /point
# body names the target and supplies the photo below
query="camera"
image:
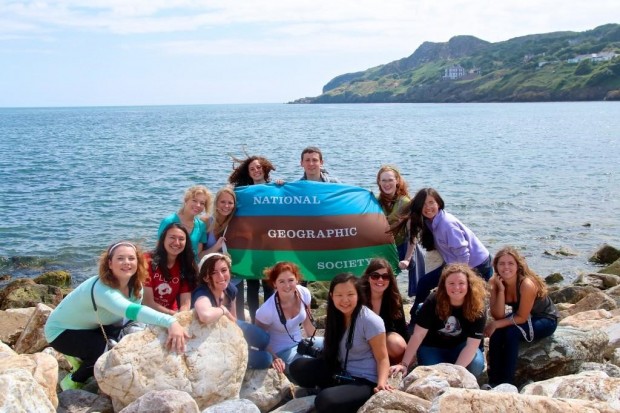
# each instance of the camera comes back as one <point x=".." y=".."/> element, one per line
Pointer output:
<point x="306" y="348"/>
<point x="343" y="378"/>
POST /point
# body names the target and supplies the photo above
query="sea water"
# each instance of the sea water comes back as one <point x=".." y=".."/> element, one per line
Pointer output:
<point x="540" y="176"/>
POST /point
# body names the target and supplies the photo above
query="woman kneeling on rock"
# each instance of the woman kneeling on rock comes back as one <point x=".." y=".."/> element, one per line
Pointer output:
<point x="94" y="312"/>
<point x="354" y="363"/>
<point x="215" y="298"/>
<point x="533" y="316"/>
<point x="450" y="323"/>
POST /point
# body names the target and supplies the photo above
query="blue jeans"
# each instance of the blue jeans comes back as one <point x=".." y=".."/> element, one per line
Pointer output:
<point x="290" y="354"/>
<point x="257" y="340"/>
<point x="504" y="348"/>
<point x="429" y="356"/>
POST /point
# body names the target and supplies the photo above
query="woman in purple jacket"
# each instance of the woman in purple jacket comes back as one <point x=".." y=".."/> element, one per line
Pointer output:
<point x="440" y="230"/>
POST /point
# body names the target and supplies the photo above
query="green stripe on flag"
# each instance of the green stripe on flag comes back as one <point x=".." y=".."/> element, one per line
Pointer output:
<point x="314" y="265"/>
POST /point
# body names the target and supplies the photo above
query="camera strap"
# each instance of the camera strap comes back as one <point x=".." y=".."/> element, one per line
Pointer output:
<point x="276" y="298"/>
<point x="349" y="343"/>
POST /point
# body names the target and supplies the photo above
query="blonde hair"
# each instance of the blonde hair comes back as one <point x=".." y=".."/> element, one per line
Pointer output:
<point x="218" y="224"/>
<point x="198" y="190"/>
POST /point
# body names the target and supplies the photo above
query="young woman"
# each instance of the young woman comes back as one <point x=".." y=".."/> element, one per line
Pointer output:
<point x="225" y="204"/>
<point x="355" y="361"/>
<point x="215" y="298"/>
<point x="75" y="327"/>
<point x="196" y="200"/>
<point x="254" y="170"/>
<point x="394" y="197"/>
<point x="450" y="325"/>
<point x="441" y="230"/>
<point x="172" y="272"/>
<point x="533" y="316"/>
<point x="379" y="285"/>
<point x="283" y="313"/>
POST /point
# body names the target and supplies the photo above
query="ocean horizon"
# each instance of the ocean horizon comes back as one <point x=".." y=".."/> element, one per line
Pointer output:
<point x="540" y="176"/>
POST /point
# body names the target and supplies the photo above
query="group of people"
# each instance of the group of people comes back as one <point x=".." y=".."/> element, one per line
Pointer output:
<point x="452" y="275"/>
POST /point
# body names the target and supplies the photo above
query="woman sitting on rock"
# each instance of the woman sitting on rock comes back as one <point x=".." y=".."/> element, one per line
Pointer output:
<point x="196" y="199"/>
<point x="533" y="315"/>
<point x="94" y="311"/>
<point x="283" y="314"/>
<point x="379" y="285"/>
<point x="172" y="272"/>
<point x="355" y="361"/>
<point x="450" y="325"/>
<point x="215" y="298"/>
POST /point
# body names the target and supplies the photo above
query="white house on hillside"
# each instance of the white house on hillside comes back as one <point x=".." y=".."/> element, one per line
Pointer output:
<point x="454" y="72"/>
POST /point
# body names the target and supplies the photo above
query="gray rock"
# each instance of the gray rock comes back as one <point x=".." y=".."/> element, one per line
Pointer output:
<point x="265" y="388"/>
<point x="299" y="405"/>
<point x="610" y="369"/>
<point x="80" y="401"/>
<point x="236" y="406"/>
<point x="605" y="255"/>
<point x="163" y="401"/>
<point x="571" y="294"/>
<point x="394" y="402"/>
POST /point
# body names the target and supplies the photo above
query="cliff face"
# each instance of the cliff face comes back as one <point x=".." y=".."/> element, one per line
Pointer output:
<point x="537" y="67"/>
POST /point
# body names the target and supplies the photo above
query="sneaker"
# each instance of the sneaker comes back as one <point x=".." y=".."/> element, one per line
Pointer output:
<point x="68" y="384"/>
<point x="74" y="361"/>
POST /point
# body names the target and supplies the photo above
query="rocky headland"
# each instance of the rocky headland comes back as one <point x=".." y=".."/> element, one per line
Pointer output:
<point x="575" y="370"/>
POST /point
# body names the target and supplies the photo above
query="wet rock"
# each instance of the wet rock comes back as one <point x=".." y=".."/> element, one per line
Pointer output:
<point x="614" y="268"/>
<point x="25" y="293"/>
<point x="562" y="252"/>
<point x="605" y="255"/>
<point x="554" y="278"/>
<point x="56" y="278"/>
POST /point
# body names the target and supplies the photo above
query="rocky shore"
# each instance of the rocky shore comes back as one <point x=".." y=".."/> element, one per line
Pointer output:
<point x="575" y="370"/>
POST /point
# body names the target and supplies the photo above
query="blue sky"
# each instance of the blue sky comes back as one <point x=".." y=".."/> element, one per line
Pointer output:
<point x="150" y="52"/>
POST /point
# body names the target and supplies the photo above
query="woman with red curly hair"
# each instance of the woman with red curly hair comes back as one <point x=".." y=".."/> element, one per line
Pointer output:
<point x="76" y="327"/>
<point x="449" y="327"/>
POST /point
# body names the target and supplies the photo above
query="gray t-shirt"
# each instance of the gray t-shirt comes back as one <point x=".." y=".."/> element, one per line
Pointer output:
<point x="361" y="362"/>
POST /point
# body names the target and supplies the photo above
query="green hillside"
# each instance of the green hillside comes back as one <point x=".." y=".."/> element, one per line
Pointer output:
<point x="559" y="66"/>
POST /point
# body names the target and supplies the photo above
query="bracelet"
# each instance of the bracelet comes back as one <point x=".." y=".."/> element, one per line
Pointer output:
<point x="405" y="365"/>
<point x="223" y="312"/>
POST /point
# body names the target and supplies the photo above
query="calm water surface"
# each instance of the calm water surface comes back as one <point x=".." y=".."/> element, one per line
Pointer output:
<point x="538" y="176"/>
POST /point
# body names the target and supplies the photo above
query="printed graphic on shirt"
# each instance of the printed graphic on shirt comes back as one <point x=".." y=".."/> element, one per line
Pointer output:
<point x="452" y="327"/>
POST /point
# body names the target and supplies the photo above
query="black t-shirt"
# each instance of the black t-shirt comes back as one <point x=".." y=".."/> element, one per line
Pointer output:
<point x="450" y="332"/>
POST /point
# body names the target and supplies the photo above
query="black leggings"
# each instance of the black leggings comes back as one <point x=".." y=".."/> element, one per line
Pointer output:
<point x="344" y="398"/>
<point x="88" y="345"/>
<point x="253" y="287"/>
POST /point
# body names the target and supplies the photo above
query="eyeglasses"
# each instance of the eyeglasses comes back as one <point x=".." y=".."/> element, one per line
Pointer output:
<point x="377" y="276"/>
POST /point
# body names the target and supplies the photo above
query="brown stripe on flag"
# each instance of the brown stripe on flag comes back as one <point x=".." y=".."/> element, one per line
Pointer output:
<point x="308" y="233"/>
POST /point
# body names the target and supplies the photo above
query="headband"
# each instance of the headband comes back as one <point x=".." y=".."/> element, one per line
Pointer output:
<point x="118" y="244"/>
<point x="206" y="257"/>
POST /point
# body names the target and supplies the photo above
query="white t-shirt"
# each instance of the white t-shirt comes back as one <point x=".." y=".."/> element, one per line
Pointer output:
<point x="267" y="315"/>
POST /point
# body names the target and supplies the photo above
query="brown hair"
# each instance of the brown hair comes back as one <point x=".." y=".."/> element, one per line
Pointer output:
<point x="240" y="176"/>
<point x="207" y="266"/>
<point x="523" y="270"/>
<point x="136" y="281"/>
<point x="474" y="304"/>
<point x="391" y="294"/>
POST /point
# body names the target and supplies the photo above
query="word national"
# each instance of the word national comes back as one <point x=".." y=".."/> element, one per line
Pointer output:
<point x="310" y="233"/>
<point x="286" y="200"/>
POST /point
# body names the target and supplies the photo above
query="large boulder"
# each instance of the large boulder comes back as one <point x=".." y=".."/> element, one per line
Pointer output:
<point x="395" y="401"/>
<point x="32" y="339"/>
<point x="608" y="322"/>
<point x="26" y="293"/>
<point x="479" y="401"/>
<point x="11" y="326"/>
<point x="614" y="292"/>
<point x="42" y="367"/>
<point x="428" y="382"/>
<point x="571" y="294"/>
<point x="211" y="370"/>
<point x="605" y="255"/>
<point x="81" y="401"/>
<point x="165" y="401"/>
<point x="588" y="385"/>
<point x="21" y="393"/>
<point x="559" y="355"/>
<point x="265" y="388"/>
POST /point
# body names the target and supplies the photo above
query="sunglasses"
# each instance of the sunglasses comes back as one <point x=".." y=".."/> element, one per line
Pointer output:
<point x="376" y="276"/>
